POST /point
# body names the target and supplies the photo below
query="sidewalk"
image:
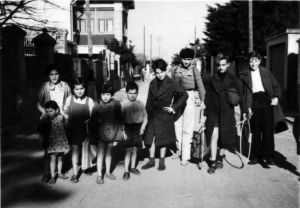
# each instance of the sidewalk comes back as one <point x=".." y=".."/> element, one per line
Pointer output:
<point x="176" y="187"/>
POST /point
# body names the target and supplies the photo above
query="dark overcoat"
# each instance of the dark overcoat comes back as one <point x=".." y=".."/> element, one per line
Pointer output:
<point x="161" y="123"/>
<point x="219" y="111"/>
<point x="272" y="88"/>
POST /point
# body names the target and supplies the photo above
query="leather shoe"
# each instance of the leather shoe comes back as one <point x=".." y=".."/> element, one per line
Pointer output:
<point x="253" y="162"/>
<point x="270" y="162"/>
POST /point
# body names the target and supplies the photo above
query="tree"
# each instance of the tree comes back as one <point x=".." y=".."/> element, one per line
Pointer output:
<point x="23" y="13"/>
<point x="126" y="53"/>
<point x="227" y="26"/>
<point x="176" y="59"/>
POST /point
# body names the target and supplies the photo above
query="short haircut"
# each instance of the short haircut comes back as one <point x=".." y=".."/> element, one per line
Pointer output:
<point x="107" y="88"/>
<point x="51" y="104"/>
<point x="254" y="54"/>
<point x="221" y="56"/>
<point x="187" y="53"/>
<point x="51" y="67"/>
<point x="132" y="86"/>
<point x="78" y="81"/>
<point x="159" y="64"/>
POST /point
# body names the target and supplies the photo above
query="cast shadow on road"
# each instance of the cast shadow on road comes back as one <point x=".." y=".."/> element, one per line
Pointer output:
<point x="281" y="162"/>
<point x="21" y="169"/>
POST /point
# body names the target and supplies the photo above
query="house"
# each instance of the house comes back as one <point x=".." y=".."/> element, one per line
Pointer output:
<point x="108" y="21"/>
<point x="282" y="60"/>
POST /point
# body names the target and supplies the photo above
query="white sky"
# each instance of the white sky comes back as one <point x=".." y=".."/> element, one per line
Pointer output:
<point x="171" y="23"/>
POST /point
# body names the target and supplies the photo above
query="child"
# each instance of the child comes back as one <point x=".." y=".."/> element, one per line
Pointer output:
<point x="135" y="121"/>
<point x="106" y="127"/>
<point x="52" y="130"/>
<point x="78" y="108"/>
<point x="220" y="122"/>
<point x="53" y="89"/>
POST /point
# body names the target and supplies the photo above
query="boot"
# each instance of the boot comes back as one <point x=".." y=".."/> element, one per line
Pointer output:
<point x="219" y="162"/>
<point x="149" y="164"/>
<point x="161" y="165"/>
<point x="212" y="167"/>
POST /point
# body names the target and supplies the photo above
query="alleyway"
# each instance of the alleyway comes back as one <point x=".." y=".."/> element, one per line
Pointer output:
<point x="177" y="186"/>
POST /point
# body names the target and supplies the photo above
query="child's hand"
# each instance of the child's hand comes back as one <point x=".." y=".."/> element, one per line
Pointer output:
<point x="43" y="116"/>
<point x="124" y="136"/>
<point x="142" y="131"/>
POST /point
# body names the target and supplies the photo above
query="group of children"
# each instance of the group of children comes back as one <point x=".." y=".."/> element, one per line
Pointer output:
<point x="69" y="116"/>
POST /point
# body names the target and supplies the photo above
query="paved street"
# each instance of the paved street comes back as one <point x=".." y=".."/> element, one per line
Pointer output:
<point x="176" y="187"/>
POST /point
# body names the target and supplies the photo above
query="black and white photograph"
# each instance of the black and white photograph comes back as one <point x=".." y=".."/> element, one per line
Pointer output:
<point x="150" y="103"/>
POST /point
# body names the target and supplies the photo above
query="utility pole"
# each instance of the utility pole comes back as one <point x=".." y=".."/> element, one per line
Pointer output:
<point x="250" y="26"/>
<point x="151" y="50"/>
<point x="144" y="43"/>
<point x="195" y="34"/>
<point x="89" y="30"/>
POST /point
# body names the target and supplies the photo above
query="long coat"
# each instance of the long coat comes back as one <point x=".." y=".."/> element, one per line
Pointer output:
<point x="219" y="111"/>
<point x="272" y="88"/>
<point x="161" y="123"/>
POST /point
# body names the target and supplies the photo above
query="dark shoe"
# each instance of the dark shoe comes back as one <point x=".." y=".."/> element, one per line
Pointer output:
<point x="99" y="180"/>
<point x="74" y="179"/>
<point x="52" y="180"/>
<point x="88" y="173"/>
<point x="270" y="162"/>
<point x="45" y="178"/>
<point x="253" y="162"/>
<point x="149" y="164"/>
<point x="110" y="176"/>
<point x="212" y="167"/>
<point x="62" y="176"/>
<point x="219" y="163"/>
<point x="135" y="171"/>
<point x="161" y="165"/>
<point x="126" y="176"/>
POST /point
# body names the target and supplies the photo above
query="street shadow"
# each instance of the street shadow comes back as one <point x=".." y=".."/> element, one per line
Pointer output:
<point x="281" y="162"/>
<point x="21" y="169"/>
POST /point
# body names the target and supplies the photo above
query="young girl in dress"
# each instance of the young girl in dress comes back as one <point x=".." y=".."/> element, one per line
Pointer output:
<point x="52" y="130"/>
<point x="106" y="127"/>
<point x="78" y="109"/>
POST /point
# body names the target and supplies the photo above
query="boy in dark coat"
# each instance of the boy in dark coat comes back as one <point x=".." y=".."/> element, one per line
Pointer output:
<point x="261" y="93"/>
<point x="160" y="131"/>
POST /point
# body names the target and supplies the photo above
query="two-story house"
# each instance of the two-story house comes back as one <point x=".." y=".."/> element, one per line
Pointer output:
<point x="108" y="21"/>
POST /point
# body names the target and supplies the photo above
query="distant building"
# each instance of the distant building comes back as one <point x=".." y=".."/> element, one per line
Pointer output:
<point x="108" y="21"/>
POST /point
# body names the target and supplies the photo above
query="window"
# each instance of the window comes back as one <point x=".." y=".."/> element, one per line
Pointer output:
<point x="105" y="25"/>
<point x="83" y="25"/>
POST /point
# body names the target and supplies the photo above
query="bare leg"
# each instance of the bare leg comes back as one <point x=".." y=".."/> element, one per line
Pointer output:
<point x="108" y="157"/>
<point x="52" y="165"/>
<point x="151" y="162"/>
<point x="75" y="153"/>
<point x="100" y="156"/>
<point x="163" y="152"/>
<point x="59" y="164"/>
<point x="127" y="158"/>
<point x="133" y="157"/>
<point x="214" y="143"/>
<point x="152" y="149"/>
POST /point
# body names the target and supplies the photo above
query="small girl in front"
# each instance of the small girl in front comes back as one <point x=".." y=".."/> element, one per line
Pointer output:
<point x="106" y="127"/>
<point x="52" y="130"/>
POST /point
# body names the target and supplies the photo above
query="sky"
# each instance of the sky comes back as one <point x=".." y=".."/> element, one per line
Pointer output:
<point x="171" y="23"/>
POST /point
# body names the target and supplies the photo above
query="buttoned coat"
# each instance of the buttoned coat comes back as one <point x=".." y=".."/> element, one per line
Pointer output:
<point x="272" y="88"/>
<point x="218" y="110"/>
<point x="161" y="123"/>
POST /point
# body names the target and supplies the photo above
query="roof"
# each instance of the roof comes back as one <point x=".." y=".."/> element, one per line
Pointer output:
<point x="129" y="4"/>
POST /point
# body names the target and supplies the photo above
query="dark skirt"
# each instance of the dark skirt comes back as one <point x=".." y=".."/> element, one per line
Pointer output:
<point x="134" y="139"/>
<point x="78" y="134"/>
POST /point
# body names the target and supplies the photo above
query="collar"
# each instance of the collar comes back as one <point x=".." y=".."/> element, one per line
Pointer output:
<point x="52" y="86"/>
